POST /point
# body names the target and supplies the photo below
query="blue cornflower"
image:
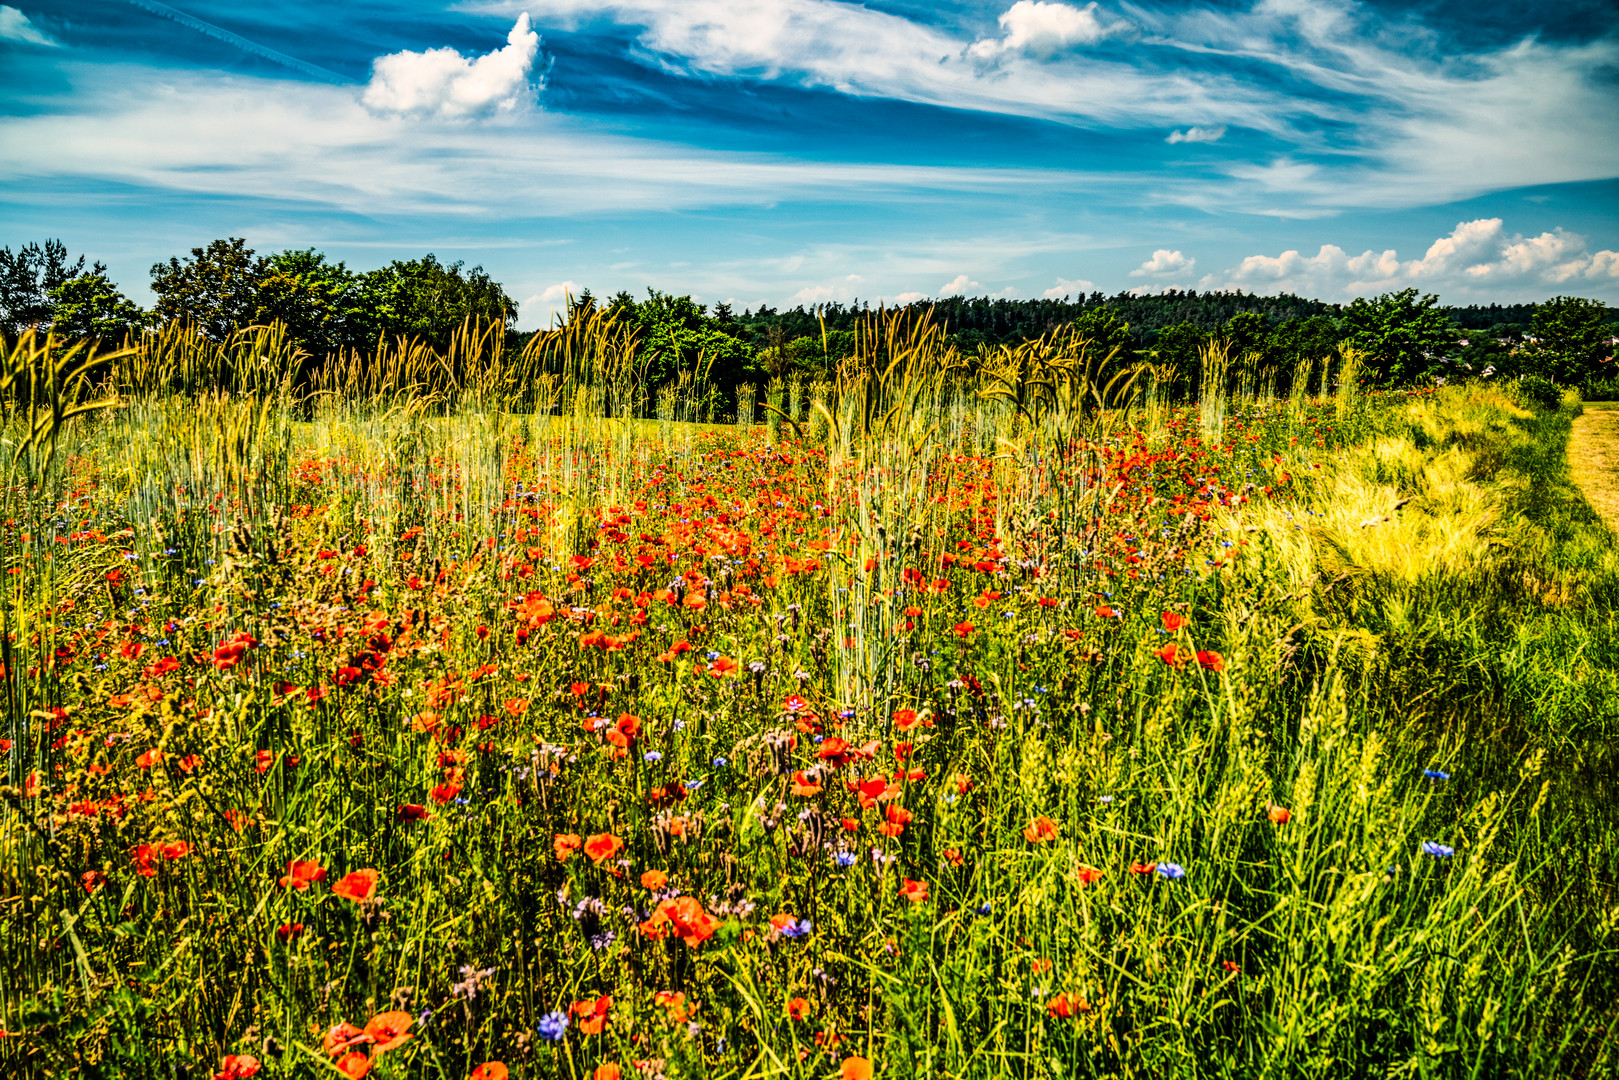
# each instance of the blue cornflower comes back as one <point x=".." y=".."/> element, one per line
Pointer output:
<point x="984" y="909"/>
<point x="653" y="756"/>
<point x="797" y="929"/>
<point x="552" y="1025"/>
<point x="1435" y="774"/>
<point x="720" y="763"/>
<point x="1437" y="850"/>
<point x="1171" y="871"/>
<point x="844" y="859"/>
<point x="693" y="785"/>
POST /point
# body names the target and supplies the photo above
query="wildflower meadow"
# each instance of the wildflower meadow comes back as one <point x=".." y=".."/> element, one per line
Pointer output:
<point x="1009" y="714"/>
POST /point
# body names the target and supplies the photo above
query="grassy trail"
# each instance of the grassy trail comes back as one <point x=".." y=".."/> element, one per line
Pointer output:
<point x="1593" y="458"/>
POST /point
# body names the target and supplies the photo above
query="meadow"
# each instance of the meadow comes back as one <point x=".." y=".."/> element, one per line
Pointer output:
<point x="990" y="716"/>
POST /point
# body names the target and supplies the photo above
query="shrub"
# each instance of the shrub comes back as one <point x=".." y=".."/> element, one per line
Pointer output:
<point x="1537" y="390"/>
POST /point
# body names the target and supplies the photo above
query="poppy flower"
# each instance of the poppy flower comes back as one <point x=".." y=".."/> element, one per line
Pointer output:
<point x="593" y="1014"/>
<point x="855" y="1068"/>
<point x="798" y="1009"/>
<point x="1041" y="830"/>
<point x="177" y="850"/>
<point x="1088" y="875"/>
<point x="603" y="846"/>
<point x="343" y="1036"/>
<point x="961" y="630"/>
<point x="565" y="844"/>
<point x="1231" y="967"/>
<point x="358" y="886"/>
<point x="237" y="1067"/>
<point x="300" y="875"/>
<point x="1211" y="660"/>
<point x="443" y="793"/>
<point x="353" y="1065"/>
<point x="1172" y="622"/>
<point x="1281" y="815"/>
<point x="1143" y="868"/>
<point x="92" y="880"/>
<point x="389" y="1030"/>
<point x="1066" y="1007"/>
<point x="897" y="818"/>
<point x="675" y="1002"/>
<point x="289" y="931"/>
<point x="1105" y="612"/>
<point x="149" y="759"/>
<point x="653" y="880"/>
<point x="489" y="1070"/>
<point x="804" y="787"/>
<point x="682" y="916"/>
<point x="914" y="891"/>
<point x="606" y="1071"/>
<point x="408" y="812"/>
<point x="1170" y="655"/>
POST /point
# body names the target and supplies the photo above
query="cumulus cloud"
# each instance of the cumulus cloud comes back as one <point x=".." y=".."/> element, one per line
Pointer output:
<point x="1066" y="287"/>
<point x="1043" y="29"/>
<point x="1197" y="134"/>
<point x="1477" y="258"/>
<point x="1164" y="263"/>
<point x="442" y="83"/>
<point x="957" y="286"/>
<point x="14" y="26"/>
<point x="910" y="297"/>
<point x="544" y="307"/>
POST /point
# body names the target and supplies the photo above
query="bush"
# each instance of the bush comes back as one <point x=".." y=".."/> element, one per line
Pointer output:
<point x="1537" y="390"/>
<point x="1601" y="389"/>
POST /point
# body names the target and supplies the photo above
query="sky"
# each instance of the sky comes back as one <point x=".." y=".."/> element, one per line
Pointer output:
<point x="790" y="152"/>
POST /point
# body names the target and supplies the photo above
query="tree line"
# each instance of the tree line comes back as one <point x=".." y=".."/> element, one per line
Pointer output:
<point x="328" y="309"/>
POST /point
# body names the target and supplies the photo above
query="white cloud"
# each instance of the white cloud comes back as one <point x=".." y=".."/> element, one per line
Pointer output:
<point x="14" y="26"/>
<point x="543" y="308"/>
<point x="1478" y="258"/>
<point x="909" y="297"/>
<point x="1197" y="134"/>
<point x="1163" y="264"/>
<point x="443" y="83"/>
<point x="1042" y="29"/>
<point x="957" y="286"/>
<point x="1065" y="287"/>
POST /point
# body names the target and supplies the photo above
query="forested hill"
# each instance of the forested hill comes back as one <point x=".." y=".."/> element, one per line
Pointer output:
<point x="974" y="319"/>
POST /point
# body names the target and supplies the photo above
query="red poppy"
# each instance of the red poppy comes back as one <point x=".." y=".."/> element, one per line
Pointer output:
<point x="1170" y="654"/>
<point x="653" y="880"/>
<point x="1211" y="660"/>
<point x="358" y="886"/>
<point x="237" y="1067"/>
<point x="343" y="1036"/>
<point x="408" y="812"/>
<point x="1088" y="875"/>
<point x="1143" y="868"/>
<point x="92" y="880"/>
<point x="489" y="1070"/>
<point x="354" y="1065"/>
<point x="1041" y="830"/>
<point x="603" y="846"/>
<point x="684" y="917"/>
<point x="804" y="787"/>
<point x="592" y="1014"/>
<point x="565" y="844"/>
<point x="1231" y="967"/>
<point x="914" y="891"/>
<point x="897" y="818"/>
<point x="606" y="1071"/>
<point x="389" y="1030"/>
<point x="961" y="629"/>
<point x="1281" y="815"/>
<point x="798" y="1009"/>
<point x="1172" y="621"/>
<point x="300" y="875"/>
<point x="443" y="793"/>
<point x="288" y="931"/>
<point x="177" y="850"/>
<point x="855" y="1068"/>
<point x="1067" y="1006"/>
<point x="149" y="759"/>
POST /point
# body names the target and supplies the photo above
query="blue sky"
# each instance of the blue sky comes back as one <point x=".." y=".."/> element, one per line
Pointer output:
<point x="793" y="151"/>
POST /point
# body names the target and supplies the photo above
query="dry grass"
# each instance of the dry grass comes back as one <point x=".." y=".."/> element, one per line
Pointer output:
<point x="1593" y="458"/>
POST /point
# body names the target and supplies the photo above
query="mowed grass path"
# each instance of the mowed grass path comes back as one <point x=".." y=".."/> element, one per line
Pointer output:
<point x="1593" y="458"/>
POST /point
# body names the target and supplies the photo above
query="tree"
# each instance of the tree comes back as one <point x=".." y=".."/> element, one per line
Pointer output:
<point x="426" y="299"/>
<point x="27" y="279"/>
<point x="677" y="335"/>
<point x="315" y="299"/>
<point x="1405" y="338"/>
<point x="90" y="306"/>
<point x="217" y="288"/>
<point x="1572" y="339"/>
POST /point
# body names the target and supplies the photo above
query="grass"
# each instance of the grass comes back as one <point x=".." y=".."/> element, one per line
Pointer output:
<point x="978" y="731"/>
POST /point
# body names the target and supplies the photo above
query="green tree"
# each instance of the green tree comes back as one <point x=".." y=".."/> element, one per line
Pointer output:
<point x="1405" y="338"/>
<point x="316" y="299"/>
<point x="1571" y="340"/>
<point x="217" y="288"/>
<point x="426" y="299"/>
<point x="90" y="306"/>
<point x="27" y="279"/>
<point x="678" y="334"/>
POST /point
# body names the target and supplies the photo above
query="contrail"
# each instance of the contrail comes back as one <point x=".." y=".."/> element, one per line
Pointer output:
<point x="221" y="34"/>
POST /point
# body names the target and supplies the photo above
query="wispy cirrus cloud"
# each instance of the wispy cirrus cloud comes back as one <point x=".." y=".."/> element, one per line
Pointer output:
<point x="16" y="26"/>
